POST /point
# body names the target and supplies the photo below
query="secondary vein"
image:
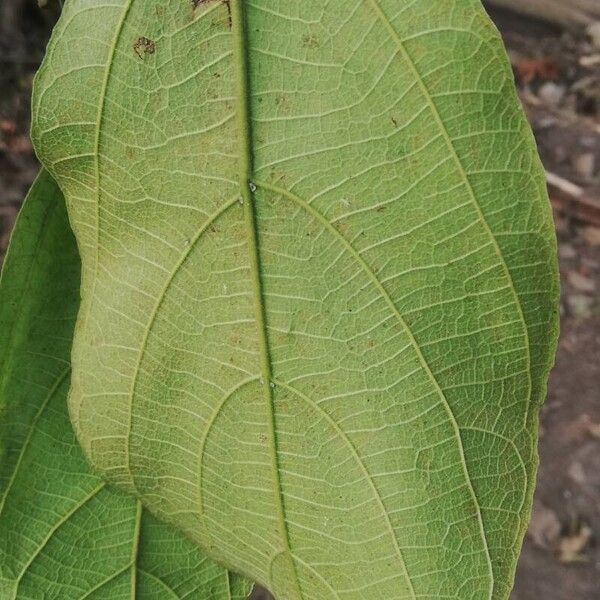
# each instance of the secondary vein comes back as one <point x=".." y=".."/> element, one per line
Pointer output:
<point x="84" y="316"/>
<point x="382" y="16"/>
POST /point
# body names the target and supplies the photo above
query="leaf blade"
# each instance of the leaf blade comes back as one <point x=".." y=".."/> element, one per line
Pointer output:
<point x="397" y="205"/>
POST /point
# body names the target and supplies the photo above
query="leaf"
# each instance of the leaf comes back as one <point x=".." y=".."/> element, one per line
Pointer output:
<point x="63" y="532"/>
<point x="320" y="286"/>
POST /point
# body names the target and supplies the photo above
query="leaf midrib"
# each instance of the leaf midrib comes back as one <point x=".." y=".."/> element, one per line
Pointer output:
<point x="135" y="547"/>
<point x="247" y="188"/>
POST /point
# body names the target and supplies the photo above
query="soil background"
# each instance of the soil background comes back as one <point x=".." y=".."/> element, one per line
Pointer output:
<point x="558" y="76"/>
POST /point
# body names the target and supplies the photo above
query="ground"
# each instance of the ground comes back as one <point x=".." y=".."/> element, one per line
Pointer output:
<point x="558" y="75"/>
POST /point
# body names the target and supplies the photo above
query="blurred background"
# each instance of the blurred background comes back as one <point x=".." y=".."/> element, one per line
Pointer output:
<point x="554" y="47"/>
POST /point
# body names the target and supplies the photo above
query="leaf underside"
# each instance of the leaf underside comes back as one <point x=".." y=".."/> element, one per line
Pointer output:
<point x="64" y="534"/>
<point x="319" y="293"/>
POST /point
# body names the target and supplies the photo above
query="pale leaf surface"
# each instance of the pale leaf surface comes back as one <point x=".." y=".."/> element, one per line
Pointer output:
<point x="320" y="285"/>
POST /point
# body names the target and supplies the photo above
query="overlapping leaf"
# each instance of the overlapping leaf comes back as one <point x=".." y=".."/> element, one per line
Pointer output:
<point x="63" y="533"/>
<point x="319" y="291"/>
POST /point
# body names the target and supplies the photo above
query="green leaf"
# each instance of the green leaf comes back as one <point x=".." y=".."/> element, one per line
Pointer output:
<point x="63" y="532"/>
<point x="320" y="286"/>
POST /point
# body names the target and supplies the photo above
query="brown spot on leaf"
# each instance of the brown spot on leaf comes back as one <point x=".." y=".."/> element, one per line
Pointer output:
<point x="226" y="3"/>
<point x="144" y="46"/>
<point x="342" y="227"/>
<point x="310" y="41"/>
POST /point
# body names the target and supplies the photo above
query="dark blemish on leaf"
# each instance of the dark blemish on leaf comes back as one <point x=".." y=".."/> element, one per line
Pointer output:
<point x="144" y="46"/>
<point x="282" y="102"/>
<point x="394" y="121"/>
<point x="310" y="41"/>
<point x="226" y="3"/>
